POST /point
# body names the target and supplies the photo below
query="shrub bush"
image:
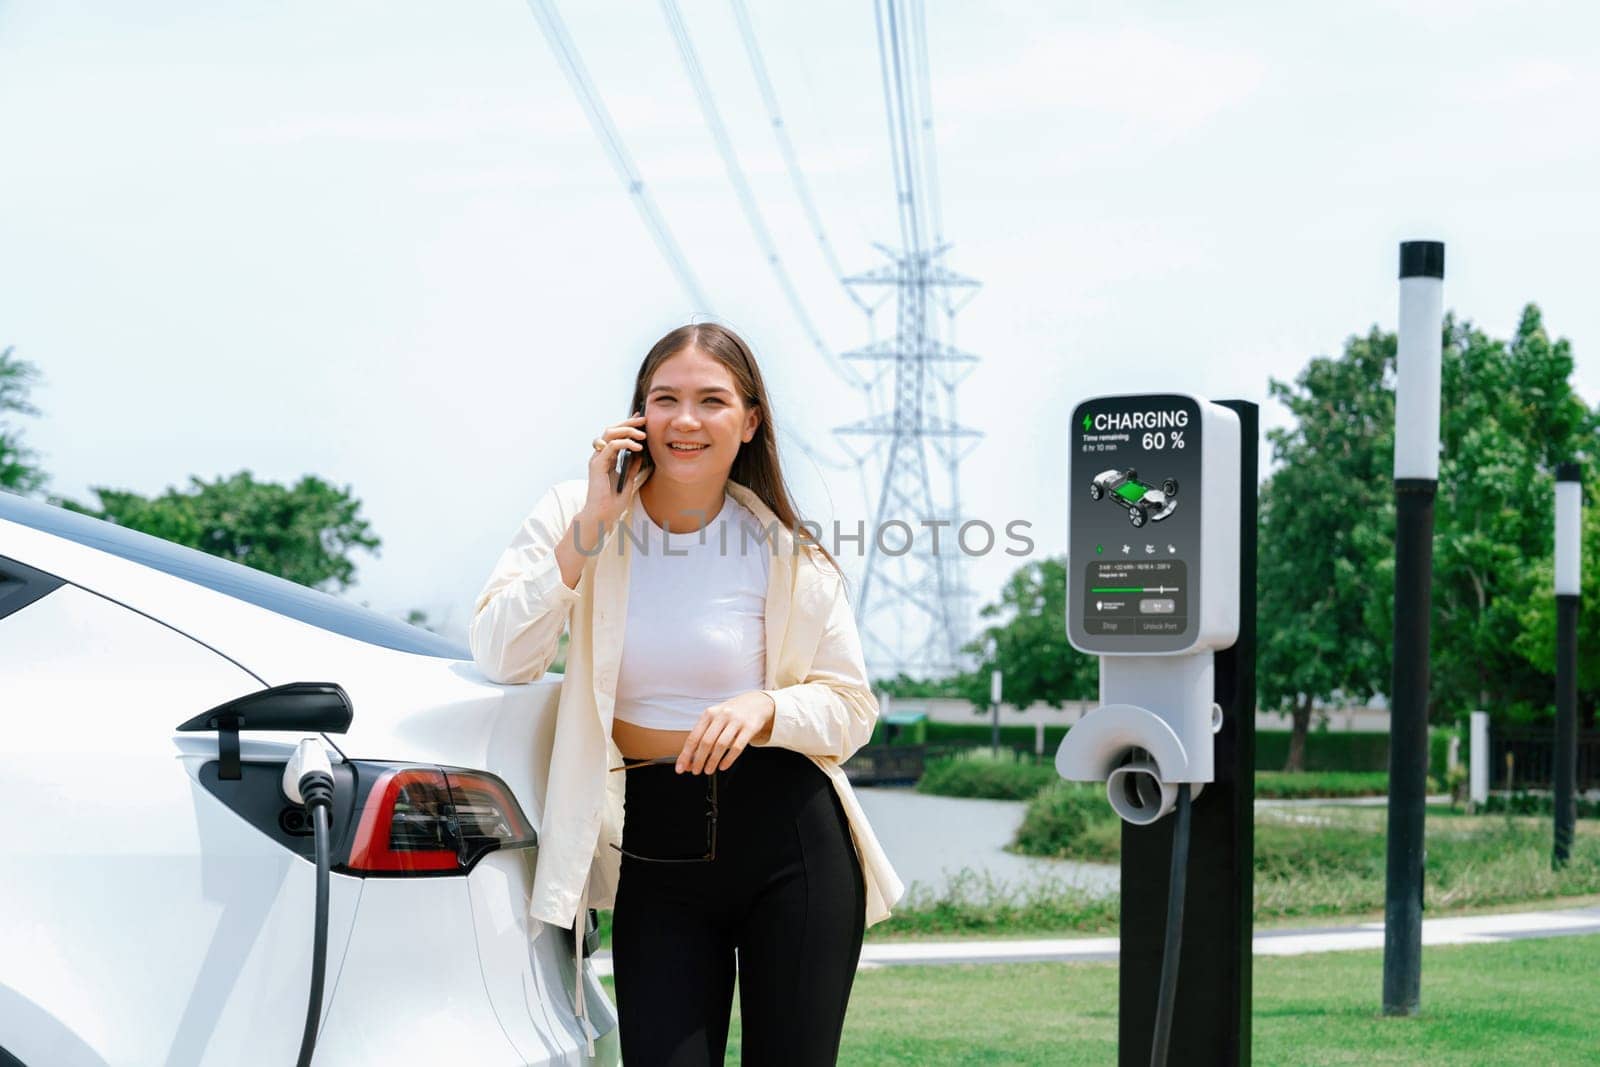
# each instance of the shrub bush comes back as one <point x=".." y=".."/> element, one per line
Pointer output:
<point x="1282" y="785"/>
<point x="1071" y="820"/>
<point x="1278" y="785"/>
<point x="1321" y="870"/>
<point x="1524" y="803"/>
<point x="975" y="902"/>
<point x="1325" y="750"/>
<point x="982" y="772"/>
<point x="1327" y="862"/>
<point x="1288" y="850"/>
<point x="1012" y="735"/>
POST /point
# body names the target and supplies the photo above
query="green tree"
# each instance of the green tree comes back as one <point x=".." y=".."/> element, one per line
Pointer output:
<point x="903" y="685"/>
<point x="1326" y="516"/>
<point x="1029" y="646"/>
<point x="1326" y="588"/>
<point x="19" y="469"/>
<point x="1509" y="415"/>
<point x="305" y="533"/>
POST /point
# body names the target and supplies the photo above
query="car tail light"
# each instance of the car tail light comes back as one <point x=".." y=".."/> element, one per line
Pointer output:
<point x="425" y="819"/>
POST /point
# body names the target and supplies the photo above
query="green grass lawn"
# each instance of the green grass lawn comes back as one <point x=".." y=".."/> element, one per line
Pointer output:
<point x="1527" y="1002"/>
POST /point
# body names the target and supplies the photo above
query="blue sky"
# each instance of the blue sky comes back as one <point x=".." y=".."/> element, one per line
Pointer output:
<point x="380" y="243"/>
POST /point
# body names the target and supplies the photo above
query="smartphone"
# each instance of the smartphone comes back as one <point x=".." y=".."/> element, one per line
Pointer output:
<point x="622" y="462"/>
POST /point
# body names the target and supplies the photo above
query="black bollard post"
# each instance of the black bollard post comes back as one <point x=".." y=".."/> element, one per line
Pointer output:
<point x="1569" y="580"/>
<point x="1416" y="478"/>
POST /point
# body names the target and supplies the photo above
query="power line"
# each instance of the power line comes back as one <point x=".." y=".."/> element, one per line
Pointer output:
<point x="753" y="216"/>
<point x="566" y="53"/>
<point x="904" y="188"/>
<point x="741" y="185"/>
<point x="945" y="296"/>
<point x="780" y="131"/>
<point x="930" y="159"/>
<point x="802" y="188"/>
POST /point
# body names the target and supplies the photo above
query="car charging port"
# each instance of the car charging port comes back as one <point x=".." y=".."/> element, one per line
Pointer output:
<point x="308" y="781"/>
<point x="295" y="821"/>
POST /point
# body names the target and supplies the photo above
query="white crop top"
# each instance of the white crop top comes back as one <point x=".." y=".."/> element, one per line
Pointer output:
<point x="696" y="627"/>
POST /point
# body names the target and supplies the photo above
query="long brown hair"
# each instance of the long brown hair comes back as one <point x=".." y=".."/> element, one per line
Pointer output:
<point x="756" y="465"/>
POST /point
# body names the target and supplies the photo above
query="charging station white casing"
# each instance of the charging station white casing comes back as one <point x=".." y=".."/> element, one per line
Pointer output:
<point x="1157" y="718"/>
<point x="1218" y="617"/>
<point x="1219" y="533"/>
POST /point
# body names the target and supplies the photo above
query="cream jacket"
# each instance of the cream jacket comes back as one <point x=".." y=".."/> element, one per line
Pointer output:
<point x="815" y="674"/>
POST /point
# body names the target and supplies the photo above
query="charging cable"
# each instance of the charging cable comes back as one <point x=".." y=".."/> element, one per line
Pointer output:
<point x="1174" y="938"/>
<point x="308" y="780"/>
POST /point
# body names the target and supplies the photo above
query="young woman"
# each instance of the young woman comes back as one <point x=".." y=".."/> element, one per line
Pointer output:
<point x="714" y="684"/>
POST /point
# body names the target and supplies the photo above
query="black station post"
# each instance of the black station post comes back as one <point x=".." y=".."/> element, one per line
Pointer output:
<point x="1211" y="1020"/>
<point x="1569" y="580"/>
<point x="1416" y="479"/>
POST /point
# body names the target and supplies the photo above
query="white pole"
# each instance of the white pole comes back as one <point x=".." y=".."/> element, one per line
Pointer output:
<point x="994" y="712"/>
<point x="1478" y="755"/>
<point x="1569" y="540"/>
<point x="1416" y="400"/>
<point x="1569" y="578"/>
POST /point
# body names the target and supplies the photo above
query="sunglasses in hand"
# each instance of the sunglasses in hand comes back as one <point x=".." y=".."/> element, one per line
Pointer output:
<point x="711" y="816"/>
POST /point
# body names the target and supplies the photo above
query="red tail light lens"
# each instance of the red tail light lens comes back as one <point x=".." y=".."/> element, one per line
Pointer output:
<point x="422" y="819"/>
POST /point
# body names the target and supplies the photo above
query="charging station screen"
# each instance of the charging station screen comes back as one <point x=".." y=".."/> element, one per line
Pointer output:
<point x="1133" y="539"/>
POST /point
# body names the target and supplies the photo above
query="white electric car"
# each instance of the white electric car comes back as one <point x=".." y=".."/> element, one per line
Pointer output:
<point x="157" y="894"/>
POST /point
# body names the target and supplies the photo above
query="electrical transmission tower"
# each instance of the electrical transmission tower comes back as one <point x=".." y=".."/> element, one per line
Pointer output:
<point x="913" y="607"/>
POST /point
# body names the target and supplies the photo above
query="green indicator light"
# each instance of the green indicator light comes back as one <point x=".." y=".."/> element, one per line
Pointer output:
<point x="1099" y="549"/>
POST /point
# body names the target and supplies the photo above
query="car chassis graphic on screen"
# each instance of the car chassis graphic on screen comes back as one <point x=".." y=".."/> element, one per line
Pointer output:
<point x="1144" y="503"/>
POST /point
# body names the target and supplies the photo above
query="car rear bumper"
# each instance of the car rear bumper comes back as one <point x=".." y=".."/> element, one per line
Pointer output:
<point x="443" y="970"/>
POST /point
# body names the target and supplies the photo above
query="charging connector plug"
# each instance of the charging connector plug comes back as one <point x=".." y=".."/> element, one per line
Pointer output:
<point x="308" y="776"/>
<point x="308" y="780"/>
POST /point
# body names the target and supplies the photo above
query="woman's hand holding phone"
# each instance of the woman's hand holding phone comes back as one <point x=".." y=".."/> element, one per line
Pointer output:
<point x="610" y="492"/>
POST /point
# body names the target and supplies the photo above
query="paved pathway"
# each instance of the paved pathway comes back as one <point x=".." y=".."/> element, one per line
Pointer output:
<point x="931" y="839"/>
<point x="1465" y="930"/>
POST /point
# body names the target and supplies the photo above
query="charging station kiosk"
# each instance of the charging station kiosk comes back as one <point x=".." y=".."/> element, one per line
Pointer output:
<point x="1161" y="510"/>
<point x="1152" y="588"/>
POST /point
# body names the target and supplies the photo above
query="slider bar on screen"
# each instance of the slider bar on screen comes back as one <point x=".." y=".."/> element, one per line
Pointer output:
<point x="1134" y="589"/>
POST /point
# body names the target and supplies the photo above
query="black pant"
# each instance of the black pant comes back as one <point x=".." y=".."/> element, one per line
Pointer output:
<point x="785" y="891"/>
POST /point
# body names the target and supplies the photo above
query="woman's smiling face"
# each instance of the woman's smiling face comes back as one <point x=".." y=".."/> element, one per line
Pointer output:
<point x="694" y="400"/>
